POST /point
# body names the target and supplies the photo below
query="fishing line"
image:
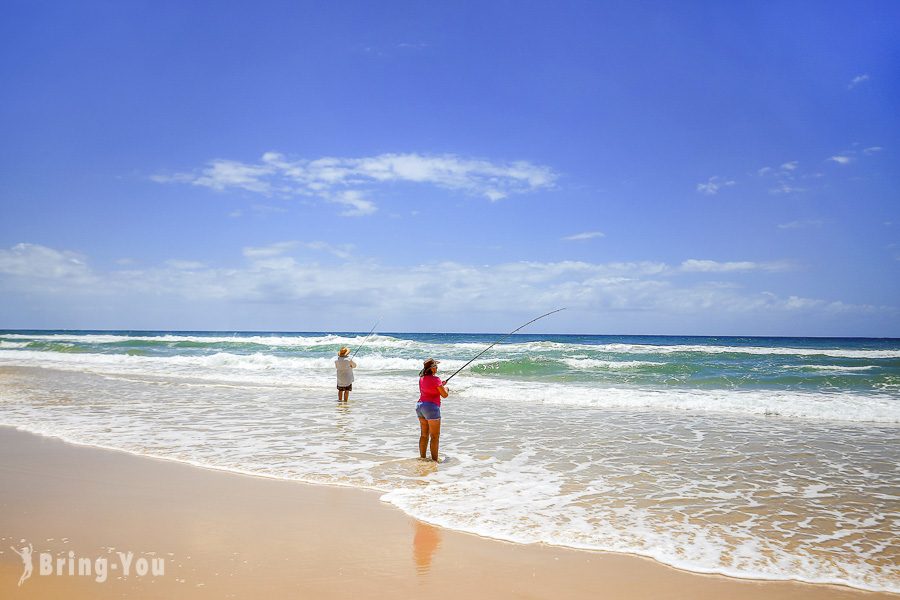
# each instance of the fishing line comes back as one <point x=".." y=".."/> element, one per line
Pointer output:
<point x="371" y="331"/>
<point x="501" y="339"/>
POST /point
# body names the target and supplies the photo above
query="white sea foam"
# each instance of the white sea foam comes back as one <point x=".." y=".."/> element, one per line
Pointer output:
<point x="755" y="350"/>
<point x="835" y="406"/>
<point x="10" y="345"/>
<point x="392" y="376"/>
<point x="624" y="472"/>
<point x="735" y="480"/>
<point x="306" y="341"/>
<point x="592" y="363"/>
<point x="834" y="368"/>
<point x="263" y="340"/>
<point x="620" y="348"/>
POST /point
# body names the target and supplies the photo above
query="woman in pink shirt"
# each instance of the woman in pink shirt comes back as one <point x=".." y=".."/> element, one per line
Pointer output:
<point x="428" y="409"/>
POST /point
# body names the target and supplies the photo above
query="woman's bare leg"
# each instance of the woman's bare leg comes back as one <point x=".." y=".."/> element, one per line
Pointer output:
<point x="434" y="431"/>
<point x="423" y="437"/>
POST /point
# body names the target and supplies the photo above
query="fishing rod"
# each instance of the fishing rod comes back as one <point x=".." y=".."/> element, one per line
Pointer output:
<point x="371" y="331"/>
<point x="501" y="339"/>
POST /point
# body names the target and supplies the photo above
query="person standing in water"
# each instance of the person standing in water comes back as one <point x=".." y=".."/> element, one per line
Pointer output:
<point x="344" y="366"/>
<point x="428" y="409"/>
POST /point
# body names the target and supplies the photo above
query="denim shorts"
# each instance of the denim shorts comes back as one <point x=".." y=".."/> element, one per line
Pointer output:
<point x="428" y="410"/>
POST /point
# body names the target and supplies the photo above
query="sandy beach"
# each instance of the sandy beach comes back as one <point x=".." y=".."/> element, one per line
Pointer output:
<point x="224" y="535"/>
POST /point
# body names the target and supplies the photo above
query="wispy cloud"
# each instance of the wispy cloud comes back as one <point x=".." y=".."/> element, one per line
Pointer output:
<point x="39" y="270"/>
<point x="857" y="80"/>
<point x="357" y="205"/>
<point x="790" y="178"/>
<point x="279" y="249"/>
<point x="714" y="184"/>
<point x="40" y="262"/>
<point x="185" y="265"/>
<point x="276" y="249"/>
<point x="344" y="251"/>
<point x="804" y="224"/>
<point x="784" y="187"/>
<point x="282" y="282"/>
<point x="587" y="235"/>
<point x="349" y="181"/>
<point x="782" y="179"/>
<point x="853" y="153"/>
<point x="712" y="266"/>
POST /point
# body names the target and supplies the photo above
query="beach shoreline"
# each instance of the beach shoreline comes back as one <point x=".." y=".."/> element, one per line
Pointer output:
<point x="225" y="534"/>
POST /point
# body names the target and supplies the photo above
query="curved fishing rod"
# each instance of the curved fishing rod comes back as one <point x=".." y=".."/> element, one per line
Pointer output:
<point x="371" y="331"/>
<point x="501" y="339"/>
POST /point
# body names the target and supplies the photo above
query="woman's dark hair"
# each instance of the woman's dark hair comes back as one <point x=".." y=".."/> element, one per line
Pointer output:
<point x="429" y="370"/>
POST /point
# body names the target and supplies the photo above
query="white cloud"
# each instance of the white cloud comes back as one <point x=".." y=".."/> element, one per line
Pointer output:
<point x="40" y="269"/>
<point x="587" y="235"/>
<point x="801" y="224"/>
<point x="782" y="179"/>
<point x="857" y="80"/>
<point x="711" y="266"/>
<point x="276" y="249"/>
<point x="358" y="206"/>
<point x="798" y="303"/>
<point x="344" y="251"/>
<point x="172" y="178"/>
<point x="872" y="150"/>
<point x="267" y="209"/>
<point x="223" y="174"/>
<point x="346" y="180"/>
<point x="714" y="184"/>
<point x="36" y="261"/>
<point x="185" y="265"/>
<point x="784" y="187"/>
<point x="269" y="277"/>
<point x="841" y="159"/>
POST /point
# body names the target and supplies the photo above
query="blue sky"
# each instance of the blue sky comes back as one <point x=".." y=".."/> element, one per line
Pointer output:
<point x="722" y="168"/>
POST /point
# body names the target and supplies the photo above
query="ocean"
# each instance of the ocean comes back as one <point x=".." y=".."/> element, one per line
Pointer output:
<point x="770" y="458"/>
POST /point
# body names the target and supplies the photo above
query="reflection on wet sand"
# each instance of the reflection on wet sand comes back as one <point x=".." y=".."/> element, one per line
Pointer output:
<point x="426" y="541"/>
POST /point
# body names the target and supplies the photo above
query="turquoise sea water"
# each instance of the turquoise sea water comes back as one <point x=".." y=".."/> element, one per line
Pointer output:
<point x="755" y="457"/>
<point x="825" y="364"/>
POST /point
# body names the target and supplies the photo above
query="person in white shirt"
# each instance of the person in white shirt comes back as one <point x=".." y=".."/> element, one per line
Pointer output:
<point x="344" y="366"/>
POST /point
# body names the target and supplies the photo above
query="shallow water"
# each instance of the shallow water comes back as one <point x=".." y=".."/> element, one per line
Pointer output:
<point x="755" y="457"/>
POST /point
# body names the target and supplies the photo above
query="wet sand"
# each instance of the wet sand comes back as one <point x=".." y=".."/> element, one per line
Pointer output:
<point x="225" y="535"/>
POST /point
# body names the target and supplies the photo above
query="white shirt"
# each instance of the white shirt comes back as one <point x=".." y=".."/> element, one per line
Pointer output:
<point x="344" y="368"/>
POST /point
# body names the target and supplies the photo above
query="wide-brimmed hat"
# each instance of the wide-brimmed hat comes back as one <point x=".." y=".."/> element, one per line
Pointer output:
<point x="344" y="351"/>
<point x="427" y="365"/>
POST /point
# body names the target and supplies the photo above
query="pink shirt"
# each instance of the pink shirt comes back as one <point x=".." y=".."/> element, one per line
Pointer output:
<point x="428" y="386"/>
